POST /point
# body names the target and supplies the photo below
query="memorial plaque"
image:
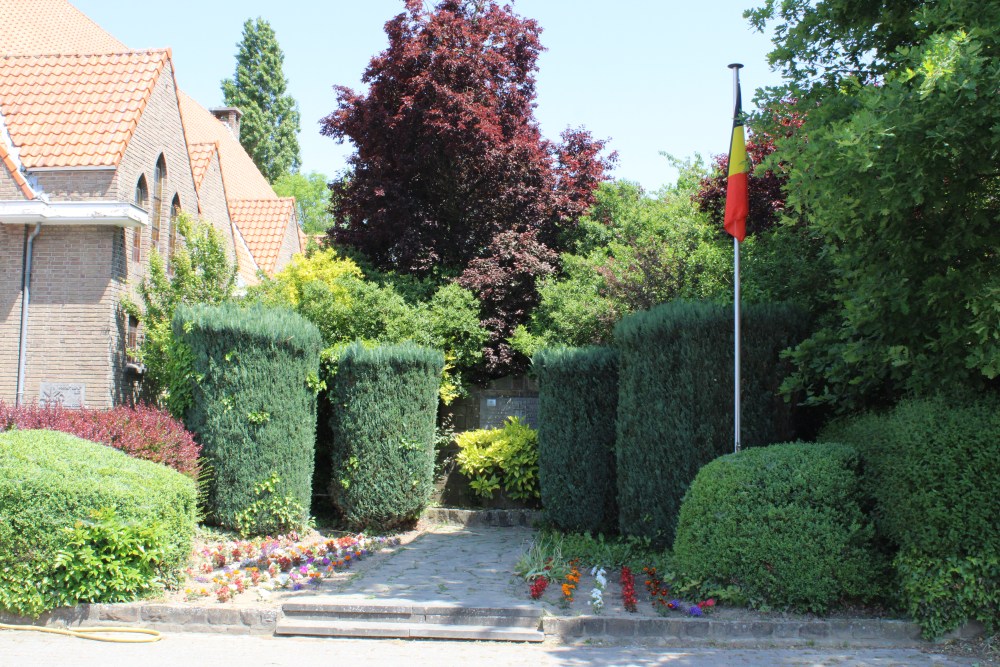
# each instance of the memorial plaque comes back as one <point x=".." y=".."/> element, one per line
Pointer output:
<point x="493" y="412"/>
<point x="66" y="394"/>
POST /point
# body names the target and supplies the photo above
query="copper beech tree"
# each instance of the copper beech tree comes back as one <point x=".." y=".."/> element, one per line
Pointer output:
<point x="450" y="165"/>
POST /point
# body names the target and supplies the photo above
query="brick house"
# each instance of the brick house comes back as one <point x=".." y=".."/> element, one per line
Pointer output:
<point x="101" y="151"/>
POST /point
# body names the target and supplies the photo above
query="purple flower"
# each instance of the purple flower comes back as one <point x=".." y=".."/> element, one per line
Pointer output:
<point x="296" y="586"/>
<point x="326" y="561"/>
<point x="695" y="610"/>
<point x="304" y="569"/>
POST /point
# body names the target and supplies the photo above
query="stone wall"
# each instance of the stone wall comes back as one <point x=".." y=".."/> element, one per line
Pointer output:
<point x="488" y="406"/>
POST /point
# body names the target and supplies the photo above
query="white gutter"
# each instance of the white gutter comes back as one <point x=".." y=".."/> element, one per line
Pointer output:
<point x="101" y="213"/>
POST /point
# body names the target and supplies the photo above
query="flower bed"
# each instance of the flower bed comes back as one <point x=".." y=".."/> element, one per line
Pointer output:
<point x="222" y="569"/>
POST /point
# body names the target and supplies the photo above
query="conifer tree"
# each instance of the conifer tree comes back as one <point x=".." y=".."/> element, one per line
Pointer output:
<point x="270" y="125"/>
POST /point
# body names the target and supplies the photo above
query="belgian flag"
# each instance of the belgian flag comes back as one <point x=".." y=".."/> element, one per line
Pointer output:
<point x="737" y="197"/>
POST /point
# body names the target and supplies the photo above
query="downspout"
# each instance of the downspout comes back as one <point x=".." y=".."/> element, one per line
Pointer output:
<point x="22" y="353"/>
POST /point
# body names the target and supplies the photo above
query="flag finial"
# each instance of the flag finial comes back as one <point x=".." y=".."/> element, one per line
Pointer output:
<point x="736" y="66"/>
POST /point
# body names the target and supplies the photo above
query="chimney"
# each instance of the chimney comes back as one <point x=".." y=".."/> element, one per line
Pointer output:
<point x="230" y="117"/>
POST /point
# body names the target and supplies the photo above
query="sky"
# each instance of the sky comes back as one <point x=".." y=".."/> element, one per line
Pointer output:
<point x="649" y="75"/>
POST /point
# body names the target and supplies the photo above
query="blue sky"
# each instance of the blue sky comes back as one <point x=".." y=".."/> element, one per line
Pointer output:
<point x="648" y="74"/>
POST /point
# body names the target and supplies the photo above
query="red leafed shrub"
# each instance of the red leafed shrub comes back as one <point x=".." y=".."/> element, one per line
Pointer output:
<point x="143" y="432"/>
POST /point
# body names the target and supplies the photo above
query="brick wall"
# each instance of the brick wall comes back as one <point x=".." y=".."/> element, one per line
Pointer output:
<point x="212" y="198"/>
<point x="72" y="313"/>
<point x="77" y="185"/>
<point x="11" y="257"/>
<point x="159" y="132"/>
<point x="9" y="189"/>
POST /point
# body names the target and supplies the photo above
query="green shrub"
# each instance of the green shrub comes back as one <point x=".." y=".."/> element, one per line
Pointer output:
<point x="779" y="527"/>
<point x="577" y="406"/>
<point x="276" y="513"/>
<point x="67" y="506"/>
<point x="254" y="408"/>
<point x="932" y="467"/>
<point x="503" y="460"/>
<point x="108" y="560"/>
<point x="383" y="412"/>
<point x="943" y="593"/>
<point x="676" y="395"/>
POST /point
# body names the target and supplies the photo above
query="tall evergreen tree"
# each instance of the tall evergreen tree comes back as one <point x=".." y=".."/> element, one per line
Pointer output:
<point x="270" y="126"/>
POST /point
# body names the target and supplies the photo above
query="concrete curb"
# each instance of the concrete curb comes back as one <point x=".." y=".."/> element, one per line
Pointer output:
<point x="164" y="617"/>
<point x="569" y="630"/>
<point x="708" y="631"/>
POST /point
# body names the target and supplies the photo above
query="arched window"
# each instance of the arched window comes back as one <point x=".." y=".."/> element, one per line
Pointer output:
<point x="141" y="199"/>
<point x="175" y="212"/>
<point x="159" y="175"/>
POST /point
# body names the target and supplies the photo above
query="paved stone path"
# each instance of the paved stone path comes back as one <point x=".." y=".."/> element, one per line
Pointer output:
<point x="29" y="649"/>
<point x="447" y="564"/>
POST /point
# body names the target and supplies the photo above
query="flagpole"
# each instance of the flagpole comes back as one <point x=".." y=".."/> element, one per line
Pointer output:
<point x="736" y="300"/>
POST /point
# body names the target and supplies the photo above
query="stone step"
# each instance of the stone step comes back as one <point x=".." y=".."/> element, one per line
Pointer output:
<point x="402" y="630"/>
<point x="403" y="611"/>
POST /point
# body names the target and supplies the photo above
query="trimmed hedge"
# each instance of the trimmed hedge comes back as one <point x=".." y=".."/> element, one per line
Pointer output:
<point x="51" y="482"/>
<point x="933" y="466"/>
<point x="780" y="527"/>
<point x="384" y="409"/>
<point x="254" y="407"/>
<point x="676" y="396"/>
<point x="144" y="432"/>
<point x="577" y="408"/>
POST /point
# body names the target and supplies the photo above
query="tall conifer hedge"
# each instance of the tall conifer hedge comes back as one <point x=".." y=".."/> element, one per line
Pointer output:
<point x="577" y="406"/>
<point x="384" y="409"/>
<point x="675" y="405"/>
<point x="254" y="407"/>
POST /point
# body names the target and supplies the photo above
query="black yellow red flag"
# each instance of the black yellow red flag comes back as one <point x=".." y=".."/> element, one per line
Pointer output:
<point x="737" y="195"/>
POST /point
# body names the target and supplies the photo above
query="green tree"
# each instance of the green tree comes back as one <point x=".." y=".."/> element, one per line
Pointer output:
<point x="894" y="167"/>
<point x="631" y="252"/>
<point x="333" y="293"/>
<point x="312" y="197"/>
<point x="200" y="272"/>
<point x="270" y="125"/>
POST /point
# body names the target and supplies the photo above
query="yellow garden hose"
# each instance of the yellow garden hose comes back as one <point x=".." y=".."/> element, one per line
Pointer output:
<point x="89" y="633"/>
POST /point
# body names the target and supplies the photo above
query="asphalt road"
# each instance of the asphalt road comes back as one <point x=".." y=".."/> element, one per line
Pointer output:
<point x="31" y="649"/>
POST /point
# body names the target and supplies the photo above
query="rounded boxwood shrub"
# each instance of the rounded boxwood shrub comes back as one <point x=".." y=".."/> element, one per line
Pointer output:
<point x="779" y="527"/>
<point x="82" y="522"/>
<point x="577" y="405"/>
<point x="383" y="404"/>
<point x="253" y="410"/>
<point x="932" y="466"/>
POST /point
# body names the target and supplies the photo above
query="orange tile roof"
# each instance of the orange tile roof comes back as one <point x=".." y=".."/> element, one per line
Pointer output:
<point x="51" y="26"/>
<point x="263" y="223"/>
<point x="15" y="172"/>
<point x="76" y="110"/>
<point x="240" y="175"/>
<point x="201" y="157"/>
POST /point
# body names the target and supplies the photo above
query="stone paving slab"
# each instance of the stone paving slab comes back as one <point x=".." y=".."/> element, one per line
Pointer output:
<point x="447" y="564"/>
